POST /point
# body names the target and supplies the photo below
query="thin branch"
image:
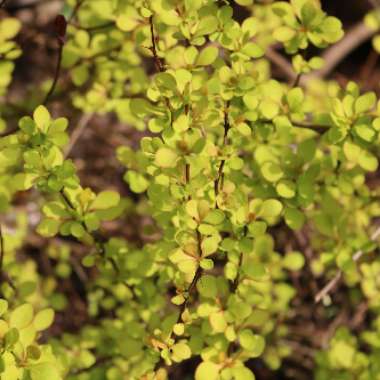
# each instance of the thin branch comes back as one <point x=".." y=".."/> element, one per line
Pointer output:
<point x="56" y="75"/>
<point x="99" y="241"/>
<point x="193" y="284"/>
<point x="219" y="178"/>
<point x="357" y="35"/>
<point x="283" y="64"/>
<point x="60" y="25"/>
<point x="75" y="10"/>
<point x="82" y="124"/>
<point x="331" y="284"/>
<point x="153" y="48"/>
<point x="333" y="56"/>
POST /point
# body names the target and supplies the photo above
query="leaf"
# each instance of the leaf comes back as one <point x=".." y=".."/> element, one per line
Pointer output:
<point x="165" y="158"/>
<point x="105" y="199"/>
<point x="244" y="3"/>
<point x="293" y="261"/>
<point x="365" y="102"/>
<point x="271" y="171"/>
<point x="218" y="321"/>
<point x="252" y="50"/>
<point x="255" y="344"/>
<point x="270" y="208"/>
<point x="3" y="306"/>
<point x="44" y="371"/>
<point x="207" y="371"/>
<point x="48" y="227"/>
<point x="22" y="316"/>
<point x="294" y="218"/>
<point x="207" y="56"/>
<point x="42" y="118"/>
<point x="181" y="351"/>
<point x="43" y="319"/>
<point x="368" y="161"/>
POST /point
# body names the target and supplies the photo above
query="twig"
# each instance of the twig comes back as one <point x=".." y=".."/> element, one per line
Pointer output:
<point x="60" y="29"/>
<point x="357" y="35"/>
<point x="153" y="48"/>
<point x="82" y="124"/>
<point x="283" y="64"/>
<point x="76" y="9"/>
<point x="331" y="284"/>
<point x="219" y="178"/>
<point x="336" y="53"/>
<point x="98" y="240"/>
<point x="193" y="284"/>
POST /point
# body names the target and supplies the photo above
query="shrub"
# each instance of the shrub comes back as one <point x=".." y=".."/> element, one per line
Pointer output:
<point x="255" y="192"/>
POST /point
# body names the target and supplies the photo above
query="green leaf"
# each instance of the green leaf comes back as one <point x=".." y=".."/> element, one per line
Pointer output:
<point x="271" y="171"/>
<point x="207" y="286"/>
<point x="286" y="189"/>
<point x="44" y="371"/>
<point x="3" y="306"/>
<point x="42" y="118"/>
<point x="244" y="3"/>
<point x="294" y="261"/>
<point x="22" y="316"/>
<point x="252" y="50"/>
<point x="207" y="371"/>
<point x="166" y="158"/>
<point x="294" y="218"/>
<point x="270" y="208"/>
<point x="48" y="227"/>
<point x="43" y="319"/>
<point x="218" y="321"/>
<point x="207" y="56"/>
<point x="255" y="344"/>
<point x="365" y="102"/>
<point x="181" y="351"/>
<point x="105" y="199"/>
<point x="368" y="161"/>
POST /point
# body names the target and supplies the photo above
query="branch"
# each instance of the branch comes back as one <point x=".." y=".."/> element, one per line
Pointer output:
<point x="193" y="284"/>
<point x="331" y="284"/>
<point x="219" y="178"/>
<point x="82" y="124"/>
<point x="153" y="48"/>
<point x="60" y="29"/>
<point x="99" y="241"/>
<point x="333" y="56"/>
<point x="357" y="35"/>
<point x="283" y="64"/>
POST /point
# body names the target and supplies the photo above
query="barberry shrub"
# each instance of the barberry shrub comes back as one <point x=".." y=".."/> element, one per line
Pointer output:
<point x="255" y="191"/>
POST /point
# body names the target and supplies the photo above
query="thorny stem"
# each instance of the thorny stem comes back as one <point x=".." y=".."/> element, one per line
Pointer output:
<point x="219" y="178"/>
<point x="154" y="39"/>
